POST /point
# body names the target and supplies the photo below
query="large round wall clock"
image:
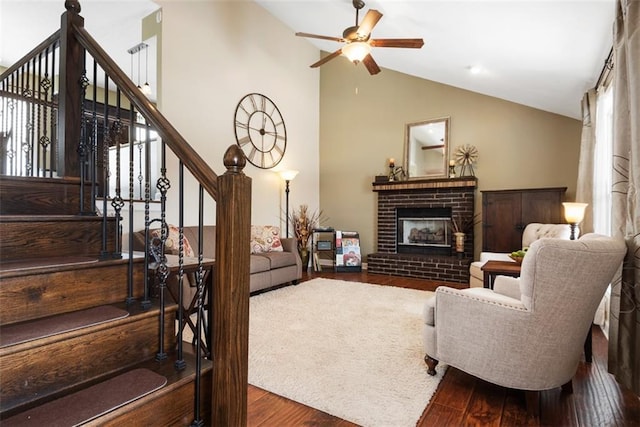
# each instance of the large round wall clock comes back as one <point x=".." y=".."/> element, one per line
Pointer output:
<point x="260" y="130"/>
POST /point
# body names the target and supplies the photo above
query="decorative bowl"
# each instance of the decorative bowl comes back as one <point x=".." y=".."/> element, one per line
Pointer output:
<point x="517" y="259"/>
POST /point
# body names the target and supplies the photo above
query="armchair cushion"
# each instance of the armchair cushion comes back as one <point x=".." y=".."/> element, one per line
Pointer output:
<point x="535" y="231"/>
<point x="509" y="286"/>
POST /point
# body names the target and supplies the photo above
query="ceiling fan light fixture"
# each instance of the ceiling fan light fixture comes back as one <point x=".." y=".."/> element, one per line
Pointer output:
<point x="356" y="51"/>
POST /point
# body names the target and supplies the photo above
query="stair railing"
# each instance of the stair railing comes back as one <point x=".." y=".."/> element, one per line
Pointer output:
<point x="28" y="110"/>
<point x="97" y="141"/>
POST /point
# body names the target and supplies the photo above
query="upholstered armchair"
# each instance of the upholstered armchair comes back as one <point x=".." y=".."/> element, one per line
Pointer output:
<point x="531" y="233"/>
<point x="527" y="333"/>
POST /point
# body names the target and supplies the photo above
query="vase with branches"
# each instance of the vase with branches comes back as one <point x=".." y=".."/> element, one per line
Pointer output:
<point x="304" y="221"/>
<point x="460" y="226"/>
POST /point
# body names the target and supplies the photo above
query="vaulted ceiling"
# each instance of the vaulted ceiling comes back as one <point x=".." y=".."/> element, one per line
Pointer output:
<point x="541" y="53"/>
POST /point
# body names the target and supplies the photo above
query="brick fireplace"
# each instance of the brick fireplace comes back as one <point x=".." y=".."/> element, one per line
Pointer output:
<point x="447" y="198"/>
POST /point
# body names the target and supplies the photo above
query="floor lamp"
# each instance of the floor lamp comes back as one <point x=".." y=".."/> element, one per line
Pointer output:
<point x="288" y="176"/>
<point x="574" y="214"/>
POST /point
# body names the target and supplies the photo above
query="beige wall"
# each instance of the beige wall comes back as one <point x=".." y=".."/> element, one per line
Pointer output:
<point x="214" y="53"/>
<point x="363" y="119"/>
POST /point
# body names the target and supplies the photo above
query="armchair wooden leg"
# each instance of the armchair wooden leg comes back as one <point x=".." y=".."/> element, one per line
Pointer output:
<point x="567" y="387"/>
<point x="532" y="399"/>
<point x="588" y="352"/>
<point x="431" y="364"/>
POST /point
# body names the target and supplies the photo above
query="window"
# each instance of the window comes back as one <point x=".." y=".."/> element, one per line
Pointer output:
<point x="603" y="158"/>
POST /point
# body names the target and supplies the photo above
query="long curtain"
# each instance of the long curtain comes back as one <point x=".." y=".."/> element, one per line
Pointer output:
<point x="624" y="332"/>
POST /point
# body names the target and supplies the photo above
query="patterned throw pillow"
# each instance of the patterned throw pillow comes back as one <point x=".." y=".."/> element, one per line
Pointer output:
<point x="265" y="238"/>
<point x="172" y="245"/>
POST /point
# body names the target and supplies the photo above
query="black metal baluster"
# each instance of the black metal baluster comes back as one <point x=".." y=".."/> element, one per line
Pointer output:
<point x="28" y="106"/>
<point x="53" y="155"/>
<point x="93" y="147"/>
<point x="12" y="114"/>
<point x="163" y="185"/>
<point x="117" y="202"/>
<point x="197" y="421"/>
<point x="45" y="140"/>
<point x="106" y="143"/>
<point x="180" y="363"/>
<point x="149" y="246"/>
<point x="132" y="137"/>
<point x="83" y="145"/>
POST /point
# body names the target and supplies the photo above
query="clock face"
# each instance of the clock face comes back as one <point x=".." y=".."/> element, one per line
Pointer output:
<point x="260" y="130"/>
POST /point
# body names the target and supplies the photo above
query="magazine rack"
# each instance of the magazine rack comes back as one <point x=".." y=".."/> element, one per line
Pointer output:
<point x="348" y="256"/>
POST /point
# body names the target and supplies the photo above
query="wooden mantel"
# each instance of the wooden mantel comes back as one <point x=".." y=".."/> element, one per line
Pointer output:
<point x="420" y="184"/>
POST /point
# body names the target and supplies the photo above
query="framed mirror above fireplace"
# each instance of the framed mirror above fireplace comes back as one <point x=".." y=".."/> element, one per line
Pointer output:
<point x="427" y="149"/>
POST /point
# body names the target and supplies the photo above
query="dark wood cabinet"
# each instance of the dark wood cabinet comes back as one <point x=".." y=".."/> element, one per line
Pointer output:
<point x="505" y="214"/>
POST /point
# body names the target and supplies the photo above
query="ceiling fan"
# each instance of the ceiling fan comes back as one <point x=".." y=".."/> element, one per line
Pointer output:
<point x="358" y="42"/>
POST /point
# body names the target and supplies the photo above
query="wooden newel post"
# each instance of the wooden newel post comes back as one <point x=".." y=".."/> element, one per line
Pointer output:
<point x="231" y="294"/>
<point x="69" y="103"/>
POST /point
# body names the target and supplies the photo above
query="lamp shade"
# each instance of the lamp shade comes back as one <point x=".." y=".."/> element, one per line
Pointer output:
<point x="574" y="212"/>
<point x="288" y="175"/>
<point x="356" y="51"/>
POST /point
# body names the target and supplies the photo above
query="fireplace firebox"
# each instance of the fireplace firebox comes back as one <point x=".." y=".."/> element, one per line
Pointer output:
<point x="423" y="230"/>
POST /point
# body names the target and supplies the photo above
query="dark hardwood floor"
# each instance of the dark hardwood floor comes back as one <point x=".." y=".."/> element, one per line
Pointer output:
<point x="461" y="399"/>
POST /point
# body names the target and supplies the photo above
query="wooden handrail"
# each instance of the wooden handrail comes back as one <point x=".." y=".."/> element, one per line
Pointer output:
<point x="170" y="136"/>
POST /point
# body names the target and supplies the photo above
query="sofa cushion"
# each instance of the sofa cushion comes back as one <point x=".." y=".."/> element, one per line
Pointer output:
<point x="209" y="239"/>
<point x="259" y="263"/>
<point x="172" y="245"/>
<point x="279" y="259"/>
<point x="265" y="238"/>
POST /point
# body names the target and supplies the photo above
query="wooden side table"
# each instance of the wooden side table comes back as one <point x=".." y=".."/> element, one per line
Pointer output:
<point x="492" y="269"/>
<point x="189" y="267"/>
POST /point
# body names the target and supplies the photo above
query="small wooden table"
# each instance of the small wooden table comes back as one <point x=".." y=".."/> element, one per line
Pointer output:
<point x="190" y="266"/>
<point x="492" y="269"/>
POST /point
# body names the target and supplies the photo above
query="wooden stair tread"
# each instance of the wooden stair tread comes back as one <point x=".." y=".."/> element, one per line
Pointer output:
<point x="49" y="218"/>
<point x="45" y="327"/>
<point x="31" y="179"/>
<point x="85" y="405"/>
<point x="50" y="262"/>
<point x="10" y="268"/>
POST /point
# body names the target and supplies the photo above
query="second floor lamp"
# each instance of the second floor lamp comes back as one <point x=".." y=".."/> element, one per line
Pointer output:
<point x="288" y="176"/>
<point x="574" y="214"/>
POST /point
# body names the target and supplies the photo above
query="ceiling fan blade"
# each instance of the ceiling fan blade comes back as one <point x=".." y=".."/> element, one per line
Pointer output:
<point x="368" y="22"/>
<point x="408" y="43"/>
<point x="371" y="65"/>
<point x="316" y="36"/>
<point x="327" y="58"/>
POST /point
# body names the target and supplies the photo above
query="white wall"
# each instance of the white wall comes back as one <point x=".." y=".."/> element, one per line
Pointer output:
<point x="214" y="53"/>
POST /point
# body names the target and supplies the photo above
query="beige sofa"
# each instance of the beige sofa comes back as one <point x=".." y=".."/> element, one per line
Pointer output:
<point x="269" y="266"/>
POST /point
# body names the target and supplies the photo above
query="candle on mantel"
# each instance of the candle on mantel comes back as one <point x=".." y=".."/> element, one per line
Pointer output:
<point x="392" y="162"/>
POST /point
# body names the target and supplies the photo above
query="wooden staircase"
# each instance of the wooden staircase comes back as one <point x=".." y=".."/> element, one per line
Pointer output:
<point x="69" y="342"/>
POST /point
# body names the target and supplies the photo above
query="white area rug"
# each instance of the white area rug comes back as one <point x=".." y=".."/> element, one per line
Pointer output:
<point x="353" y="350"/>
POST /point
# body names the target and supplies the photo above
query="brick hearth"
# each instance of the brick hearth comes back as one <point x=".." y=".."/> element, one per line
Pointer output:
<point x="456" y="193"/>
